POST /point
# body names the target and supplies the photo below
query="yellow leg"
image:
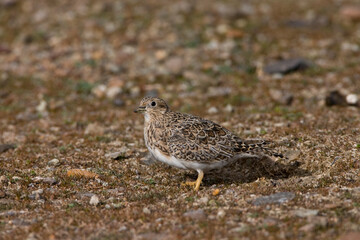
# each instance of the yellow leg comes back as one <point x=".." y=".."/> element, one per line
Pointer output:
<point x="197" y="182"/>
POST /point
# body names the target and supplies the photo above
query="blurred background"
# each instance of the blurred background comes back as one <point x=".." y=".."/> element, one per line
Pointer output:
<point x="190" y="53"/>
<point x="72" y="72"/>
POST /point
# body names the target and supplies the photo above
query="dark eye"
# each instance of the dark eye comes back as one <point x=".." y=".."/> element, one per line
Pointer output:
<point x="153" y="104"/>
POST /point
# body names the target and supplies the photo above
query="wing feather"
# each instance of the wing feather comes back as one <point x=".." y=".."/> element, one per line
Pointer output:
<point x="201" y="140"/>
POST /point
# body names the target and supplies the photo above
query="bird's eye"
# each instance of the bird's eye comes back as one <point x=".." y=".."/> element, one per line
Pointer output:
<point x="153" y="104"/>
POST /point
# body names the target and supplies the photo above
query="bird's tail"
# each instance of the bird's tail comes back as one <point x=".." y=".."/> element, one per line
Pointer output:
<point x="261" y="147"/>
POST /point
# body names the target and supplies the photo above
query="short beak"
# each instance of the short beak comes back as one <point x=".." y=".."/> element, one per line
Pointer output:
<point x="139" y="110"/>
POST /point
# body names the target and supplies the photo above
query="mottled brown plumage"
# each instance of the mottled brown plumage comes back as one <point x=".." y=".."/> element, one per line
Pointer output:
<point x="190" y="142"/>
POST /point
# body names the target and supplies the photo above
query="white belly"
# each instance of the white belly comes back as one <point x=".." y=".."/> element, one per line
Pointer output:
<point x="172" y="161"/>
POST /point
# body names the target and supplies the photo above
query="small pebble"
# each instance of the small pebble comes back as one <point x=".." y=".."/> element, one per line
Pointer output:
<point x="111" y="92"/>
<point x="161" y="54"/>
<point x="306" y="212"/>
<point x="16" y="178"/>
<point x="335" y="98"/>
<point x="3" y="179"/>
<point x="36" y="195"/>
<point x="277" y="198"/>
<point x="286" y="66"/>
<point x="39" y="191"/>
<point x="221" y="213"/>
<point x="118" y="102"/>
<point x="229" y="108"/>
<point x="6" y="147"/>
<point x="54" y="162"/>
<point x="146" y="210"/>
<point x="213" y="110"/>
<point x="352" y="99"/>
<point x="122" y="228"/>
<point x="204" y="200"/>
<point x="50" y="180"/>
<point x="41" y="108"/>
<point x="114" y="155"/>
<point x="117" y="205"/>
<point x="242" y="228"/>
<point x="99" y="91"/>
<point x="216" y="192"/>
<point x="94" y="200"/>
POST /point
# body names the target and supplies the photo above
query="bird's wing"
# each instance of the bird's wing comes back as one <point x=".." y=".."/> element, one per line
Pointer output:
<point x="203" y="141"/>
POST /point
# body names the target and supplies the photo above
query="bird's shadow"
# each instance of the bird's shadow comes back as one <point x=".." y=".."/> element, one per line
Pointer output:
<point x="249" y="169"/>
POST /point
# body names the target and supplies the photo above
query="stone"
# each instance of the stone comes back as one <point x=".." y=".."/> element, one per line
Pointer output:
<point x="47" y="180"/>
<point x="111" y="92"/>
<point x="229" y="108"/>
<point x="242" y="228"/>
<point x="161" y="54"/>
<point x="50" y="180"/>
<point x="118" y="102"/>
<point x="204" y="200"/>
<point x="36" y="195"/>
<point x="287" y="66"/>
<point x="216" y="192"/>
<point x="277" y="198"/>
<point x="41" y="108"/>
<point x="117" y="155"/>
<point x="335" y="98"/>
<point x="16" y="178"/>
<point x="306" y="212"/>
<point x="85" y="194"/>
<point x="94" y="200"/>
<point x="281" y="97"/>
<point x="54" y="162"/>
<point x="6" y="147"/>
<point x="352" y="99"/>
<point x="195" y="214"/>
<point x="113" y="155"/>
<point x="292" y="154"/>
<point x="146" y="210"/>
<point x="3" y="179"/>
<point x="221" y="213"/>
<point x="213" y="110"/>
<point x="99" y="91"/>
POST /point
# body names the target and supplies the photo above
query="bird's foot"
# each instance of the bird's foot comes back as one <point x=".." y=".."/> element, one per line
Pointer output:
<point x="195" y="183"/>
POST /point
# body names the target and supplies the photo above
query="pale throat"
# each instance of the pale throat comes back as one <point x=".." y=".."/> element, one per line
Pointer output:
<point x="147" y="117"/>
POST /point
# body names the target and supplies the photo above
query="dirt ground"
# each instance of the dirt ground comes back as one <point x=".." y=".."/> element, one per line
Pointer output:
<point x="72" y="72"/>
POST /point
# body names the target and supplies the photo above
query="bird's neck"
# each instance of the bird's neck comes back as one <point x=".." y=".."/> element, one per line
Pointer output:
<point x="154" y="118"/>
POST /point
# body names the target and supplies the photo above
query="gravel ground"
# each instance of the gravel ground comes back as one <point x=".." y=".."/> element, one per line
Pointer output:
<point x="73" y="163"/>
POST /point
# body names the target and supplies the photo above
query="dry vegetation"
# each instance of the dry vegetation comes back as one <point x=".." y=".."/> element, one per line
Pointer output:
<point x="71" y="73"/>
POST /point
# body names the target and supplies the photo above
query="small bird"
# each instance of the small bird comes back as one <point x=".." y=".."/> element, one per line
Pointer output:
<point x="189" y="142"/>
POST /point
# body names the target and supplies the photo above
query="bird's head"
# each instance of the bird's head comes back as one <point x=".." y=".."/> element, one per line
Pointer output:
<point x="152" y="106"/>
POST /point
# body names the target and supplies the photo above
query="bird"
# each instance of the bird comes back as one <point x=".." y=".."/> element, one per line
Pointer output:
<point x="189" y="142"/>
